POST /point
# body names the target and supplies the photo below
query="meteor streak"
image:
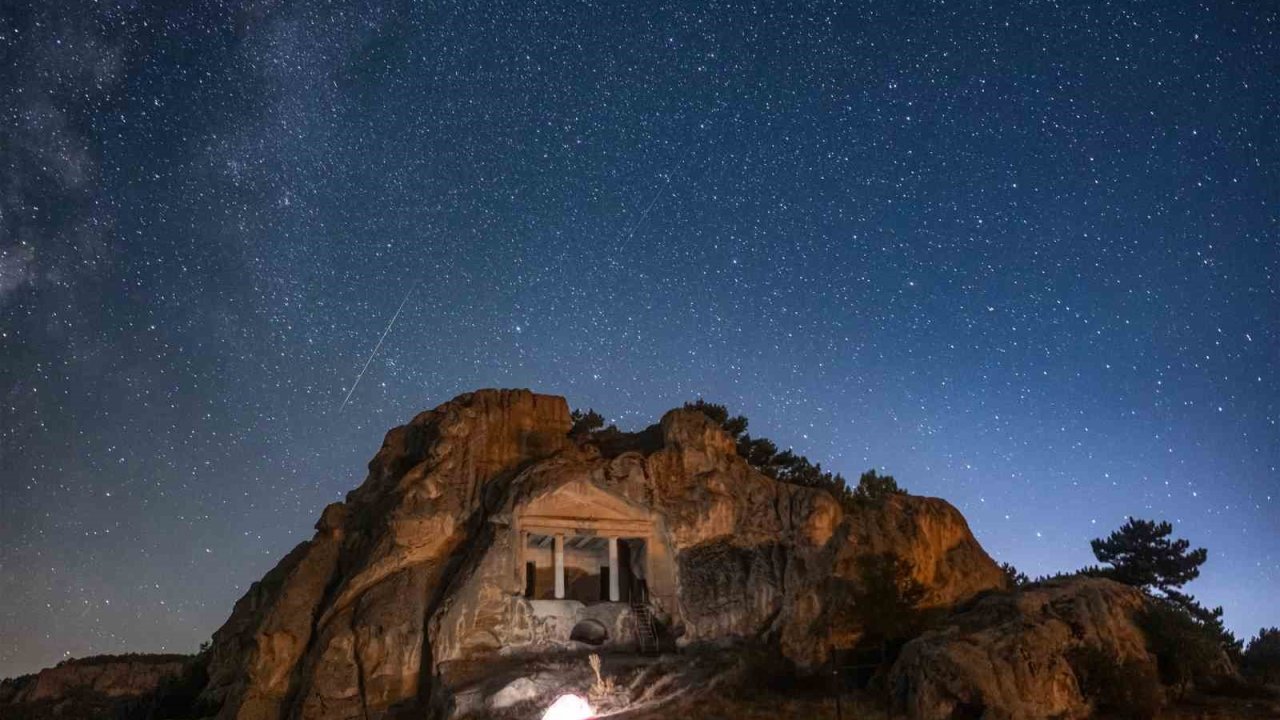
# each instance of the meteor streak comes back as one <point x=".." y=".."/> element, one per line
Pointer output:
<point x="675" y="170"/>
<point x="375" y="349"/>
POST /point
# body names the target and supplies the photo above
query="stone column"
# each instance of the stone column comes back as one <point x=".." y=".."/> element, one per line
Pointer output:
<point x="614" y="595"/>
<point x="559" y="553"/>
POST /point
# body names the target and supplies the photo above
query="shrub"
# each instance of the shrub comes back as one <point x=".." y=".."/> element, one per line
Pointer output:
<point x="1185" y="649"/>
<point x="887" y="597"/>
<point x="784" y="466"/>
<point x="873" y="488"/>
<point x="719" y="414"/>
<point x="176" y="698"/>
<point x="603" y="687"/>
<point x="1210" y="619"/>
<point x="760" y="452"/>
<point x="761" y="670"/>
<point x="1016" y="578"/>
<point x="585" y="422"/>
<point x="1121" y="688"/>
<point x="1261" y="659"/>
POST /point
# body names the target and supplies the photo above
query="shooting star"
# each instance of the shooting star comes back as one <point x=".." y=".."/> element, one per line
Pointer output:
<point x="645" y="214"/>
<point x="375" y="349"/>
<point x="673" y="170"/>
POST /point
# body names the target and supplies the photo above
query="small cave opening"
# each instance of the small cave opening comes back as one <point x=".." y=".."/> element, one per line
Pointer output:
<point x="591" y="632"/>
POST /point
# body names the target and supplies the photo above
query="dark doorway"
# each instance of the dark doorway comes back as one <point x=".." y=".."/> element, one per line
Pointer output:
<point x="632" y="566"/>
<point x="625" y="576"/>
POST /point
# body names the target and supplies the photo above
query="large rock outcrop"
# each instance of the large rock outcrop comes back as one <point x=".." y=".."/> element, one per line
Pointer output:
<point x="336" y="630"/>
<point x="1010" y="655"/>
<point x="91" y="687"/>
<point x="110" y="676"/>
<point x="411" y="580"/>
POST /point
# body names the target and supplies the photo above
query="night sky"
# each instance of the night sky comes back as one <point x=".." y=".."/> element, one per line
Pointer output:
<point x="1022" y="256"/>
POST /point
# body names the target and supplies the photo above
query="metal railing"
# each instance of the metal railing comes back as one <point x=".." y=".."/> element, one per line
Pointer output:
<point x="646" y="631"/>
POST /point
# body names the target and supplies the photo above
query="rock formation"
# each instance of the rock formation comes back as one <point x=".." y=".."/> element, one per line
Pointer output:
<point x="89" y="687"/>
<point x="441" y="560"/>
<point x="122" y="676"/>
<point x="490" y="546"/>
<point x="1010" y="655"/>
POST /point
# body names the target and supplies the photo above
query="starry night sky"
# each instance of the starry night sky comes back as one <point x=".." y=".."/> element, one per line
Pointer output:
<point x="1023" y="256"/>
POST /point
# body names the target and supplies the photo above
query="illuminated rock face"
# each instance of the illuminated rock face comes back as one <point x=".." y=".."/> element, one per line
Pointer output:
<point x="337" y="629"/>
<point x="484" y="531"/>
<point x="1009" y="656"/>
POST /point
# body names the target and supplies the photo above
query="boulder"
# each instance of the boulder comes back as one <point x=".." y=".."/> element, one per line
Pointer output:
<point x="520" y="690"/>
<point x="1009" y="656"/>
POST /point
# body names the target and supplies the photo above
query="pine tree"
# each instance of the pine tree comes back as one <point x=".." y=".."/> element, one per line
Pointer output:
<point x="719" y="414"/>
<point x="887" y="597"/>
<point x="1261" y="659"/>
<point x="1141" y="554"/>
<point x="874" y="488"/>
<point x="585" y="422"/>
<point x="1015" y="577"/>
<point x="1184" y="652"/>
<point x="790" y="467"/>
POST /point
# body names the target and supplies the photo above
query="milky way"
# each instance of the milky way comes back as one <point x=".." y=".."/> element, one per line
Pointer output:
<point x="1022" y="256"/>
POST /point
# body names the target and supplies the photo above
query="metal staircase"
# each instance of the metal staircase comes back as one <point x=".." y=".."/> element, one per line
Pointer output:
<point x="646" y="631"/>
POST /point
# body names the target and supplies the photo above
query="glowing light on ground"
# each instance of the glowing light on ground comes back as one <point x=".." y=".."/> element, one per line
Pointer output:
<point x="569" y="707"/>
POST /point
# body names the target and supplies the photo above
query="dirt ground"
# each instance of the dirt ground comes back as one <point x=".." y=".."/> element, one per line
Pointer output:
<point x="715" y="686"/>
<point x="759" y="707"/>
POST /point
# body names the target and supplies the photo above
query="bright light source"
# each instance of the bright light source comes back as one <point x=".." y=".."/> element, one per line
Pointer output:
<point x="569" y="707"/>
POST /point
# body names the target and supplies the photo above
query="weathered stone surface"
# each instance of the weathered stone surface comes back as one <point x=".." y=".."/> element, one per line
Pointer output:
<point x="518" y="691"/>
<point x="759" y="557"/>
<point x="929" y="533"/>
<point x="421" y="568"/>
<point x="1008" y="655"/>
<point x="336" y="629"/>
<point x="251" y="666"/>
<point x="107" y="676"/>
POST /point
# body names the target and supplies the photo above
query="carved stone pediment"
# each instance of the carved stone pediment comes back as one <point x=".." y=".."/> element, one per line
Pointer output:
<point x="581" y="500"/>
